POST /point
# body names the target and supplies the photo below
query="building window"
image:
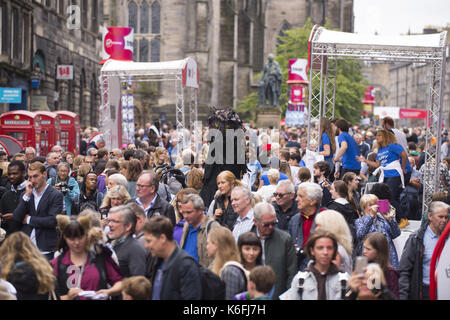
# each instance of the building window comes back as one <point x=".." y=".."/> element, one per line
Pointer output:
<point x="85" y="13"/>
<point x="48" y="3"/>
<point x="156" y="17"/>
<point x="15" y="32"/>
<point x="94" y="26"/>
<point x="144" y="17"/>
<point x="1" y="27"/>
<point x="133" y="16"/>
<point x="61" y="9"/>
<point x="135" y="50"/>
<point x="155" y="46"/>
<point x="143" y="50"/>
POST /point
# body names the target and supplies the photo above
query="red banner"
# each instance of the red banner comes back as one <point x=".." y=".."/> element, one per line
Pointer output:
<point x="412" y="114"/>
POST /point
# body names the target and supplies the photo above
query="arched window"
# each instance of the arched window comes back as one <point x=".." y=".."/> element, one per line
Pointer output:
<point x="144" y="17"/>
<point x="156" y="17"/>
<point x="81" y="98"/>
<point x="133" y="16"/>
<point x="143" y="50"/>
<point x="155" y="47"/>
<point x="94" y="108"/>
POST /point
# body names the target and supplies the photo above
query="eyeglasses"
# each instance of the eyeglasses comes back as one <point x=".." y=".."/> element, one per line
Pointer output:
<point x="267" y="224"/>
<point x="281" y="195"/>
<point x="140" y="186"/>
<point x="114" y="221"/>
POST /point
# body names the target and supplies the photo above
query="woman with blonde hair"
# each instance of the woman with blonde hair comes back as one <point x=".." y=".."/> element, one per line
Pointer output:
<point x="116" y="196"/>
<point x="82" y="171"/>
<point x="77" y="162"/>
<point x="332" y="221"/>
<point x="161" y="156"/>
<point x="222" y="246"/>
<point x="26" y="268"/>
<point x="220" y="208"/>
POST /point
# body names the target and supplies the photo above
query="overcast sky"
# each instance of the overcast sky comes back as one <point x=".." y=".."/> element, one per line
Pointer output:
<point x="395" y="17"/>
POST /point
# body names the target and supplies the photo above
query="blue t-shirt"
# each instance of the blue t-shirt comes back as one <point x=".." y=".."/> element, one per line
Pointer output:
<point x="388" y="154"/>
<point x="190" y="245"/>
<point x="323" y="141"/>
<point x="254" y="168"/>
<point x="265" y="178"/>
<point x="349" y="157"/>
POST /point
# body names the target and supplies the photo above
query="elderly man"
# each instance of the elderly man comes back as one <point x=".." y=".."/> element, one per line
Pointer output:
<point x="196" y="228"/>
<point x="30" y="154"/>
<point x="285" y="204"/>
<point x="51" y="164"/>
<point x="309" y="198"/>
<point x="100" y="143"/>
<point x="130" y="252"/>
<point x="59" y="151"/>
<point x="148" y="198"/>
<point x="414" y="266"/>
<point x="241" y="201"/>
<point x="364" y="147"/>
<point x="278" y="249"/>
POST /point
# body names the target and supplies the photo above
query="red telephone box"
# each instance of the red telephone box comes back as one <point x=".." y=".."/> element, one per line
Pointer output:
<point x="24" y="126"/>
<point x="50" y="130"/>
<point x="70" y="131"/>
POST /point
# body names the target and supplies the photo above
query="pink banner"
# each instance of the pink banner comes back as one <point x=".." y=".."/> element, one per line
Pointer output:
<point x="412" y="114"/>
<point x="117" y="44"/>
<point x="296" y="94"/>
<point x="297" y="70"/>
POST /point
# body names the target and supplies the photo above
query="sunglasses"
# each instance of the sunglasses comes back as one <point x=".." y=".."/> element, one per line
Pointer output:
<point x="267" y="224"/>
<point x="281" y="195"/>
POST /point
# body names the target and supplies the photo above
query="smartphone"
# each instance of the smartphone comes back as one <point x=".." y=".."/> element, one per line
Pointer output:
<point x="360" y="264"/>
<point x="383" y="206"/>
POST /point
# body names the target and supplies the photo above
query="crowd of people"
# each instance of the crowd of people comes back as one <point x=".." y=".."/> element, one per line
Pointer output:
<point x="130" y="223"/>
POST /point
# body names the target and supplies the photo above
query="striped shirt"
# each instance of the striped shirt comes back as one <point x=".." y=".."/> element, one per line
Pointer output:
<point x="243" y="225"/>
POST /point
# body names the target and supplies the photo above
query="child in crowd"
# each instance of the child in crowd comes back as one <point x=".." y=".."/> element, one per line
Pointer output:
<point x="136" y="288"/>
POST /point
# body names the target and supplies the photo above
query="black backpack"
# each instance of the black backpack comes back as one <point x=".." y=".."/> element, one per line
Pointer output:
<point x="213" y="288"/>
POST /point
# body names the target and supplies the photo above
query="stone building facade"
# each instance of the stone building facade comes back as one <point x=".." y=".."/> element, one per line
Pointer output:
<point x="229" y="39"/>
<point x="46" y="37"/>
<point x="15" y="48"/>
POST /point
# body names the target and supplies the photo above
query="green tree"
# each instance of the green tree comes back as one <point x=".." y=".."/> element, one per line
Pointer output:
<point x="350" y="84"/>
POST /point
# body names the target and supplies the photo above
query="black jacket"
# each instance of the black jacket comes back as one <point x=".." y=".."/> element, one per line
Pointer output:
<point x="228" y="217"/>
<point x="160" y="207"/>
<point x="132" y="257"/>
<point x="347" y="210"/>
<point x="8" y="204"/>
<point x="284" y="217"/>
<point x="410" y="266"/>
<point x="43" y="220"/>
<point x="180" y="278"/>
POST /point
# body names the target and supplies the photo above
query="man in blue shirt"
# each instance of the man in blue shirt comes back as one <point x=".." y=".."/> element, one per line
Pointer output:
<point x="348" y="150"/>
<point x="196" y="228"/>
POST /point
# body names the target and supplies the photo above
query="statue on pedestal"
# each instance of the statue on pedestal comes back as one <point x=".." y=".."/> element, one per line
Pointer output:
<point x="270" y="84"/>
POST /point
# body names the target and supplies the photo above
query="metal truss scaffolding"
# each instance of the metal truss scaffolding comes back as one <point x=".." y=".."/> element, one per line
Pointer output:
<point x="327" y="47"/>
<point x="183" y="74"/>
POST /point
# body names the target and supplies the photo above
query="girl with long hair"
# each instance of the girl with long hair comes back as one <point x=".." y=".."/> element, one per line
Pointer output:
<point x="327" y="146"/>
<point x="341" y="203"/>
<point x="222" y="247"/>
<point x="376" y="249"/>
<point x="26" y="268"/>
<point x="332" y="221"/>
